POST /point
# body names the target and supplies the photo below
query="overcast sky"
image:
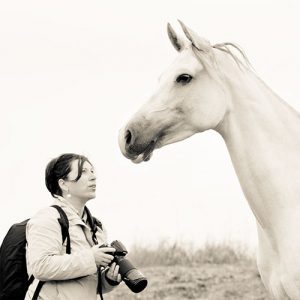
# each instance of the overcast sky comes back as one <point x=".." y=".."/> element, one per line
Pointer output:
<point x="73" y="72"/>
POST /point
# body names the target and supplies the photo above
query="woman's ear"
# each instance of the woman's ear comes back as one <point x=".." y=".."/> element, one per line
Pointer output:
<point x="62" y="185"/>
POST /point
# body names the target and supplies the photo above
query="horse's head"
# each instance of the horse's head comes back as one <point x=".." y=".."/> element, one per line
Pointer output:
<point x="189" y="98"/>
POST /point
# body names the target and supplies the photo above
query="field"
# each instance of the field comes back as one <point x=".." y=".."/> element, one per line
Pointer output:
<point x="215" y="272"/>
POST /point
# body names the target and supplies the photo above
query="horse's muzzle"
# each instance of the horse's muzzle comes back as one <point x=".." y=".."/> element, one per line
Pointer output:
<point x="132" y="149"/>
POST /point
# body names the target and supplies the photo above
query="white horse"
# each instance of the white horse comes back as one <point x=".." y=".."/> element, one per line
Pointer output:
<point x="208" y="87"/>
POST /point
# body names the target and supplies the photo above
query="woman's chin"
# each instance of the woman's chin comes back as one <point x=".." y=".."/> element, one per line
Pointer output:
<point x="91" y="196"/>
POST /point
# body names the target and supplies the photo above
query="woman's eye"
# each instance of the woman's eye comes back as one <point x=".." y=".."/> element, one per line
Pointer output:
<point x="184" y="79"/>
<point x="85" y="170"/>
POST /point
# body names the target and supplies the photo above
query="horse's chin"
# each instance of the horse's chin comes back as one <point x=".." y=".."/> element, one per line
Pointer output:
<point x="147" y="154"/>
<point x="140" y="158"/>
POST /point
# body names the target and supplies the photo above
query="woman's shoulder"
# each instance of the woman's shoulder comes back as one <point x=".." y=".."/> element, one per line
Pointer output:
<point x="44" y="215"/>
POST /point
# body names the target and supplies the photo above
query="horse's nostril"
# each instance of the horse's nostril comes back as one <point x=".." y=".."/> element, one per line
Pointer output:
<point x="128" y="137"/>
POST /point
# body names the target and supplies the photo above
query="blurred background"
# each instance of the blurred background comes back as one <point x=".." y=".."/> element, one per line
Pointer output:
<point x="73" y="72"/>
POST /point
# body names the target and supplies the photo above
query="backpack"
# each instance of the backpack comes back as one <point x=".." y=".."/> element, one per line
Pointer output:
<point x="14" y="280"/>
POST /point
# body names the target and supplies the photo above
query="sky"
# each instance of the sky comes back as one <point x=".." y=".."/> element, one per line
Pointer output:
<point x="72" y="73"/>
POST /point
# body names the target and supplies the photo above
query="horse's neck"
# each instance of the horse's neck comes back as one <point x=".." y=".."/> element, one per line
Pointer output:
<point x="262" y="134"/>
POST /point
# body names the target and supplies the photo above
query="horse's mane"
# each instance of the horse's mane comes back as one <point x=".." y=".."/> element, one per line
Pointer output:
<point x="225" y="47"/>
<point x="209" y="59"/>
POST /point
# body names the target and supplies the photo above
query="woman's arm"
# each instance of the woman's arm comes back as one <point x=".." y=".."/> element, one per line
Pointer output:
<point x="45" y="260"/>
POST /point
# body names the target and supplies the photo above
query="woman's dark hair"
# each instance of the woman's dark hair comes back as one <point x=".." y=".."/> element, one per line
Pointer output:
<point x="59" y="168"/>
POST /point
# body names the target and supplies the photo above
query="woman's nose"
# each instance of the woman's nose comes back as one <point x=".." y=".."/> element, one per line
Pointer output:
<point x="93" y="176"/>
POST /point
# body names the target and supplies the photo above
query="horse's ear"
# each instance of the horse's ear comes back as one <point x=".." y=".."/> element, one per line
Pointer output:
<point x="198" y="42"/>
<point x="176" y="42"/>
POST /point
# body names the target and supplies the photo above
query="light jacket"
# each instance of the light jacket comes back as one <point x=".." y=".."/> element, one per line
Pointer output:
<point x="68" y="276"/>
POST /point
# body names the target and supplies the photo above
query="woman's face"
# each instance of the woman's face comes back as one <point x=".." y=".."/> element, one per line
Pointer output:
<point x="85" y="187"/>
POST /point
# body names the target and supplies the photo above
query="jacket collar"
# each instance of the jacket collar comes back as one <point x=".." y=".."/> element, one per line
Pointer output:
<point x="71" y="211"/>
<point x="67" y="203"/>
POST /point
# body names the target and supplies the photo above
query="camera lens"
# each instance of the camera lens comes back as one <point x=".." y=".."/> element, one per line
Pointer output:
<point x="132" y="277"/>
<point x="135" y="280"/>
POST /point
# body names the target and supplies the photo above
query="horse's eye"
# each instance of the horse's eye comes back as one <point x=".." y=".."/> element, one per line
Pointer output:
<point x="184" y="79"/>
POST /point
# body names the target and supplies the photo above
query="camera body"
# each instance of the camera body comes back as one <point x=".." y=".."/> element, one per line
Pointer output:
<point x="121" y="251"/>
<point x="132" y="277"/>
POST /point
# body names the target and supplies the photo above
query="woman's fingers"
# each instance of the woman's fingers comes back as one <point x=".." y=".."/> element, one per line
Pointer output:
<point x="110" y="271"/>
<point x="113" y="272"/>
<point x="119" y="278"/>
<point x="102" y="256"/>
<point x="116" y="271"/>
<point x="106" y="249"/>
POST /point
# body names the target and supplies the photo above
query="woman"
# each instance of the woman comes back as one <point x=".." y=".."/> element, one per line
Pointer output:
<point x="87" y="271"/>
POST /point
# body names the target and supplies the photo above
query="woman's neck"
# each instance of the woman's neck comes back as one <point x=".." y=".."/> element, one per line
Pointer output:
<point x="77" y="203"/>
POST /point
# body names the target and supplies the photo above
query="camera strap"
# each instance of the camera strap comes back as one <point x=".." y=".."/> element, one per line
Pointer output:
<point x="99" y="287"/>
<point x="94" y="223"/>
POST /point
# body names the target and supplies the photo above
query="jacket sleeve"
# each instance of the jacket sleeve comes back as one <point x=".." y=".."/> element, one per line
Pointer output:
<point x="44" y="245"/>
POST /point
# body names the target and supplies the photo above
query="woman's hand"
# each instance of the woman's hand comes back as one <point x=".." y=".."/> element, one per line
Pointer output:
<point x="113" y="273"/>
<point x="102" y="258"/>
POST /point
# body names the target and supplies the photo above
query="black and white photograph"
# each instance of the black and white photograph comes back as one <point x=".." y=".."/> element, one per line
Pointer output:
<point x="150" y="150"/>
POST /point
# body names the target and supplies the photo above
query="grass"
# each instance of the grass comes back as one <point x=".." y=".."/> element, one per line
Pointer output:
<point x="170" y="254"/>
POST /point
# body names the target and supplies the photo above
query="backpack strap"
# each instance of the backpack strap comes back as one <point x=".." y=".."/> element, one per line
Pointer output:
<point x="64" y="224"/>
<point x="37" y="290"/>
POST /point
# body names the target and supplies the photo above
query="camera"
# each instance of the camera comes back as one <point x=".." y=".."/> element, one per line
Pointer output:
<point x="132" y="277"/>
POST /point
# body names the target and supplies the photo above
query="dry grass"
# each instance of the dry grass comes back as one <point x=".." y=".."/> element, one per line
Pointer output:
<point x="166" y="254"/>
<point x="178" y="272"/>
